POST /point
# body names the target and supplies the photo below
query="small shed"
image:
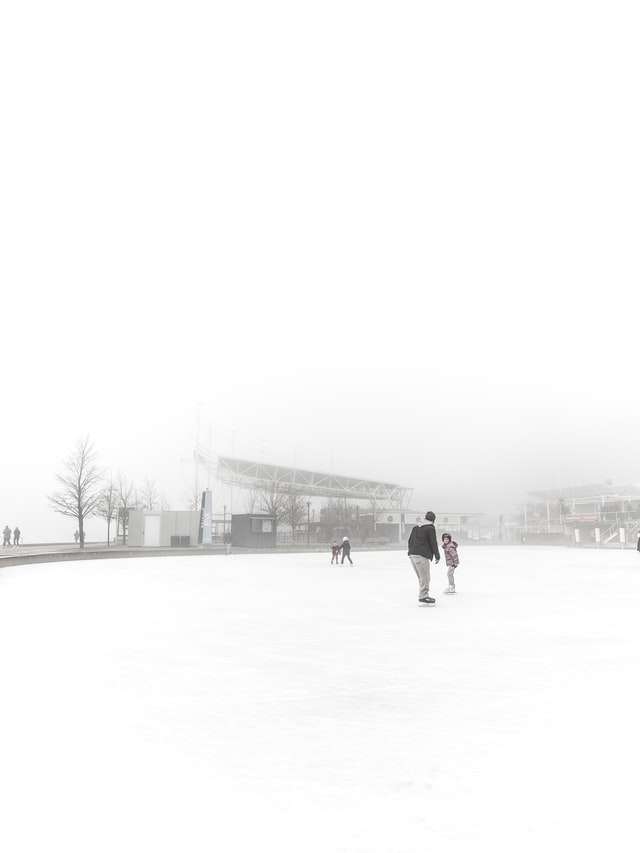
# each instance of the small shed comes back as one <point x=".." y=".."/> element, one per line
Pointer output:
<point x="253" y="530"/>
<point x="163" y="529"/>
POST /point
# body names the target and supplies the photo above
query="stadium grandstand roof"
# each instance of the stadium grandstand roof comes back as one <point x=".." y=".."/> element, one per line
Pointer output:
<point x="260" y="475"/>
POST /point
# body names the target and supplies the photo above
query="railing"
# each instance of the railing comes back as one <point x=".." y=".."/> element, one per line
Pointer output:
<point x="610" y="534"/>
<point x="633" y="530"/>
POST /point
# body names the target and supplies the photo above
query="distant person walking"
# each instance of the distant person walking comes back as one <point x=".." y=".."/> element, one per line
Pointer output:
<point x="76" y="536"/>
<point x="423" y="548"/>
<point x="450" y="549"/>
<point x="335" y="553"/>
<point x="638" y="541"/>
<point x="16" y="535"/>
<point x="6" y="536"/>
<point x="346" y="550"/>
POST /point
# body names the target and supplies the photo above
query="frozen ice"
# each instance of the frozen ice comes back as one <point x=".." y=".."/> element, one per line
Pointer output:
<point x="275" y="702"/>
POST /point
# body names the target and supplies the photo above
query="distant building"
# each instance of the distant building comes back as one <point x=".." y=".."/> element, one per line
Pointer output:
<point x="598" y="512"/>
<point x="163" y="529"/>
<point x="253" y="530"/>
<point x="395" y="525"/>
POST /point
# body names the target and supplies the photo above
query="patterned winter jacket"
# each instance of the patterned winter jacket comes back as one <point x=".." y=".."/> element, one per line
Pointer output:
<point x="451" y="553"/>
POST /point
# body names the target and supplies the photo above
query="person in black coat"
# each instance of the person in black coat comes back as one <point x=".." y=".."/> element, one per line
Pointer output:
<point x="346" y="550"/>
<point x="423" y="548"/>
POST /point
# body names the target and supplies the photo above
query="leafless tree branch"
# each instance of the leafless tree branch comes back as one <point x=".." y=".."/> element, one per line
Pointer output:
<point x="79" y="492"/>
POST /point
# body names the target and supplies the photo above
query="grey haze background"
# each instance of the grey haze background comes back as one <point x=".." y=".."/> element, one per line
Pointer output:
<point x="390" y="239"/>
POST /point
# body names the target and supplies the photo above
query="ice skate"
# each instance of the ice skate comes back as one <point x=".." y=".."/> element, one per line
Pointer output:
<point x="450" y="590"/>
<point x="427" y="601"/>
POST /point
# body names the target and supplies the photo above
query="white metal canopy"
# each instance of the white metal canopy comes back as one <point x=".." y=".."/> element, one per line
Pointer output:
<point x="257" y="475"/>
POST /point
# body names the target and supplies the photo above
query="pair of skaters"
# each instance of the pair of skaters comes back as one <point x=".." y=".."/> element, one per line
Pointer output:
<point x="345" y="548"/>
<point x="423" y="548"/>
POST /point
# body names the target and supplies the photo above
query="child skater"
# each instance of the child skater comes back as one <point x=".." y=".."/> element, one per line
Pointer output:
<point x="450" y="549"/>
<point x="335" y="553"/>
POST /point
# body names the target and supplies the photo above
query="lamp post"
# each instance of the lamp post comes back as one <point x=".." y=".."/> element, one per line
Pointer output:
<point x="308" y="522"/>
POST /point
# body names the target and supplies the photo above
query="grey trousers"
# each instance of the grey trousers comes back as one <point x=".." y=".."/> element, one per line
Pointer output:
<point x="450" y="571"/>
<point x="422" y="568"/>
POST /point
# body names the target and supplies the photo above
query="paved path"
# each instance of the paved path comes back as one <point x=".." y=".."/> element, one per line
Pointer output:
<point x="56" y="552"/>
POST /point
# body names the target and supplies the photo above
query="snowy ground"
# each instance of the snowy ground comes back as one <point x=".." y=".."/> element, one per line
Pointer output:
<point x="252" y="703"/>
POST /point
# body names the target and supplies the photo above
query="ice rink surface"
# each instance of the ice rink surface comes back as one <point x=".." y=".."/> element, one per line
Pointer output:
<point x="277" y="703"/>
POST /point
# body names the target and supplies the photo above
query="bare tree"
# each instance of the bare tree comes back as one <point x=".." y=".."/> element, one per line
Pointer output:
<point x="193" y="498"/>
<point x="108" y="505"/>
<point x="294" y="512"/>
<point x="273" y="501"/>
<point x="79" y="494"/>
<point x="333" y="513"/>
<point x="150" y="497"/>
<point x="374" y="509"/>
<point x="126" y="501"/>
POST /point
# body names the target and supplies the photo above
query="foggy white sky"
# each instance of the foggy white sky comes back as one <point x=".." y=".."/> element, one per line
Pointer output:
<point x="394" y="239"/>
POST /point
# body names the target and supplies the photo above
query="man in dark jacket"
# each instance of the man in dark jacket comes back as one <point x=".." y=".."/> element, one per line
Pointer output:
<point x="423" y="547"/>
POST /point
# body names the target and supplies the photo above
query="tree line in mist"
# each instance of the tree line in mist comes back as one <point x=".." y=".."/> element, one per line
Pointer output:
<point x="85" y="490"/>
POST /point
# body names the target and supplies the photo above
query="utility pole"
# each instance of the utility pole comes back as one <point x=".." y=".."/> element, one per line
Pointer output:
<point x="210" y="456"/>
<point x="233" y="454"/>
<point x="196" y="491"/>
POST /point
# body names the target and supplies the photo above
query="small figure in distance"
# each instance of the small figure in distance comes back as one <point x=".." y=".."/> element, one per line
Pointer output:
<point x="335" y="553"/>
<point x="76" y="536"/>
<point x="16" y="535"/>
<point x="346" y="550"/>
<point x="6" y="536"/>
<point x="450" y="549"/>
